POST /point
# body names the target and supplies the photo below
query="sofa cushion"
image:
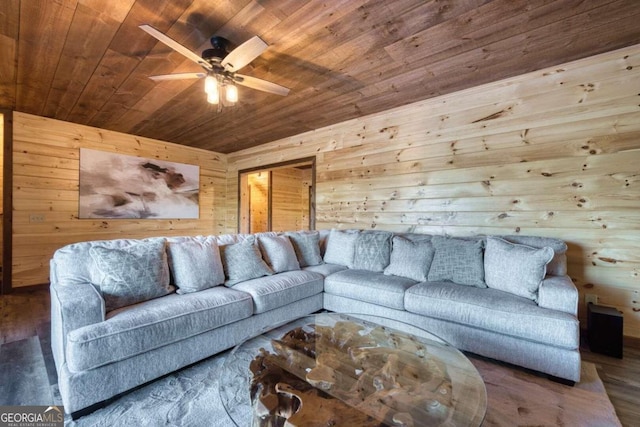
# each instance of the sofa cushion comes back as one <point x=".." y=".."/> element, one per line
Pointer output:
<point x="414" y="237"/>
<point x="275" y="291"/>
<point x="558" y="265"/>
<point x="493" y="310"/>
<point x="341" y="245"/>
<point x="278" y="252"/>
<point x="325" y="269"/>
<point x="458" y="261"/>
<point x="152" y="324"/>
<point x="372" y="250"/>
<point x="410" y="259"/>
<point x="307" y="247"/>
<point x="131" y="274"/>
<point x="243" y="261"/>
<point x="518" y="269"/>
<point x="195" y="265"/>
<point x="370" y="287"/>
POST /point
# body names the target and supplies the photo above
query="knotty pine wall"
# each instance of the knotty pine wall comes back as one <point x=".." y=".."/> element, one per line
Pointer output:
<point x="551" y="153"/>
<point x="45" y="183"/>
<point x="1" y="185"/>
<point x="258" y="200"/>
<point x="290" y="199"/>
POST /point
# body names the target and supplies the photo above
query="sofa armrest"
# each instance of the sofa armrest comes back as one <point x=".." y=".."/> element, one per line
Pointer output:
<point x="72" y="307"/>
<point x="558" y="293"/>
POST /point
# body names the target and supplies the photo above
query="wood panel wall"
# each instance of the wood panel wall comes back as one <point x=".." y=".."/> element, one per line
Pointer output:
<point x="258" y="188"/>
<point x="552" y="153"/>
<point x="290" y="199"/>
<point x="45" y="187"/>
<point x="1" y="185"/>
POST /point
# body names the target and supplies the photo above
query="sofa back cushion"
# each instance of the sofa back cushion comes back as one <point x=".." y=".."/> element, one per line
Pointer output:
<point x="306" y="245"/>
<point x="558" y="265"/>
<point x="341" y="245"/>
<point x="457" y="260"/>
<point x="195" y="264"/>
<point x="410" y="258"/>
<point x="73" y="262"/>
<point x="132" y="274"/>
<point x="372" y="250"/>
<point x="278" y="252"/>
<point x="243" y="261"/>
<point x="515" y="268"/>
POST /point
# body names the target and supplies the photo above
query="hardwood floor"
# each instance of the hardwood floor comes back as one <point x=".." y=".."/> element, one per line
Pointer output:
<point x="621" y="378"/>
<point x="24" y="314"/>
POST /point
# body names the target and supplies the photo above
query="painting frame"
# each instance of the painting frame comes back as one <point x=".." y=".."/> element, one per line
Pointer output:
<point x="120" y="186"/>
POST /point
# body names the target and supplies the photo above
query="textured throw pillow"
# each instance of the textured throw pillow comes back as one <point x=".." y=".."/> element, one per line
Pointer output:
<point x="278" y="252"/>
<point x="242" y="261"/>
<point x="307" y="247"/>
<point x="558" y="265"/>
<point x="518" y="269"/>
<point x="130" y="275"/>
<point x="457" y="260"/>
<point x="195" y="265"/>
<point x="372" y="250"/>
<point x="410" y="259"/>
<point x="341" y="247"/>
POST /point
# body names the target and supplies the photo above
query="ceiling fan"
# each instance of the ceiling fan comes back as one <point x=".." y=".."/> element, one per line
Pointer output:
<point x="220" y="67"/>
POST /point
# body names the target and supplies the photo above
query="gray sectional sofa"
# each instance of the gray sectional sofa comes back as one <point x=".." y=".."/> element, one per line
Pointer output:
<point x="125" y="312"/>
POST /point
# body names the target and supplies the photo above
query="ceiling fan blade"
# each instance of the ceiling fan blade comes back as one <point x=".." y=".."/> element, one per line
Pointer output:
<point x="175" y="45"/>
<point x="243" y="54"/>
<point x="178" y="76"/>
<point x="263" y="85"/>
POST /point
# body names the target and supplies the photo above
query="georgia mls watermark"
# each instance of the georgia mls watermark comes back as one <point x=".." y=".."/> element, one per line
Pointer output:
<point x="31" y="416"/>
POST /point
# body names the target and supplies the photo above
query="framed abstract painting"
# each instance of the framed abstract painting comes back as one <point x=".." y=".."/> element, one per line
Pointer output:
<point x="119" y="186"/>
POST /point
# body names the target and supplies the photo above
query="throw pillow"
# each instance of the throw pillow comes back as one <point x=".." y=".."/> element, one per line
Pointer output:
<point x="307" y="247"/>
<point x="132" y="274"/>
<point x="458" y="261"/>
<point x="558" y="265"/>
<point x="518" y="269"/>
<point x="410" y="259"/>
<point x="278" y="252"/>
<point x="242" y="261"/>
<point x="372" y="250"/>
<point x="341" y="247"/>
<point x="195" y="265"/>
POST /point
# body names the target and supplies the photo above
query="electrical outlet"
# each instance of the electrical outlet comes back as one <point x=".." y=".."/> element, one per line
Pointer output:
<point x="591" y="298"/>
<point x="36" y="218"/>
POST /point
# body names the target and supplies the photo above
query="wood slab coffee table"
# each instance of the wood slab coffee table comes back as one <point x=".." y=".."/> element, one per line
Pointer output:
<point x="332" y="369"/>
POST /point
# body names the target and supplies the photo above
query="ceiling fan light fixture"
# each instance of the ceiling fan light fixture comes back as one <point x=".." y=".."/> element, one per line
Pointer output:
<point x="220" y="65"/>
<point x="213" y="97"/>
<point x="231" y="92"/>
<point x="210" y="84"/>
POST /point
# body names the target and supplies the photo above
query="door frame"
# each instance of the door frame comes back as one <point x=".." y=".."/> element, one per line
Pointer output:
<point x="7" y="202"/>
<point x="269" y="167"/>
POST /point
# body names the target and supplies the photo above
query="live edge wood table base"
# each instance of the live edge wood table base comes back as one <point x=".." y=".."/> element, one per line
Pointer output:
<point x="333" y="369"/>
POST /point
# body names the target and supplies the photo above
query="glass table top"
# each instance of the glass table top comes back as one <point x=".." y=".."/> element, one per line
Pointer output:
<point x="352" y="370"/>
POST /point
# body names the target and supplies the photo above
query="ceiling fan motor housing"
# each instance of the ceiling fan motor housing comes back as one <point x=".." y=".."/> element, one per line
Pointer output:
<point x="219" y="50"/>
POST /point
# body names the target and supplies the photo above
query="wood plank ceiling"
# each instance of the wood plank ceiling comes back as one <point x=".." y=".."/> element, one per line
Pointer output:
<point x="86" y="61"/>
